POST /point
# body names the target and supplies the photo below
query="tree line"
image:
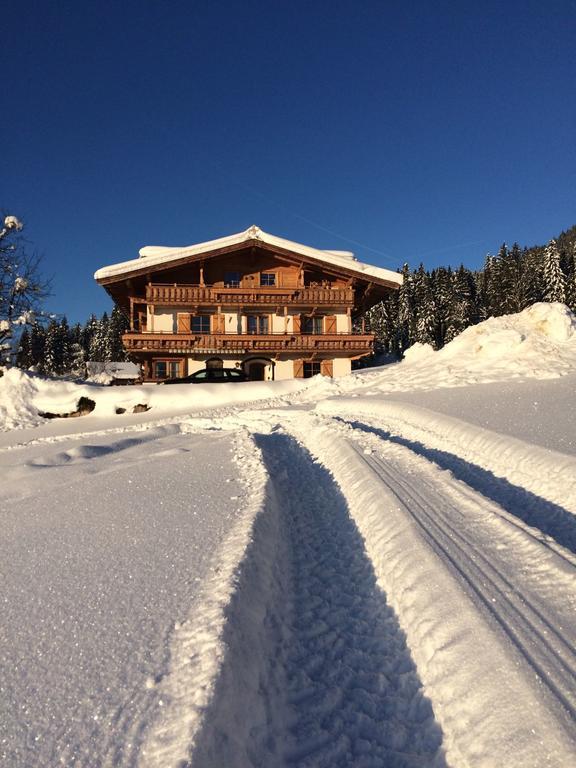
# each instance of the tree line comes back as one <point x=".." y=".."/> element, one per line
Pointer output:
<point x="57" y="349"/>
<point x="432" y="307"/>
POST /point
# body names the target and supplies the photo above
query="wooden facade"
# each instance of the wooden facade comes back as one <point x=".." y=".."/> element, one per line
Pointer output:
<point x="271" y="307"/>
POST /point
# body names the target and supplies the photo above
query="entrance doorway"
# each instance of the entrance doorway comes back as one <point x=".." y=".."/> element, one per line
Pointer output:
<point x="256" y="371"/>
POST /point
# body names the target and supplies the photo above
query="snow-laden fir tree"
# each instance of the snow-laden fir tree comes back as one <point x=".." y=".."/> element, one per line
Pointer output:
<point x="405" y="329"/>
<point x="116" y="327"/>
<point x="553" y="280"/>
<point x="24" y="352"/>
<point x="424" y="308"/>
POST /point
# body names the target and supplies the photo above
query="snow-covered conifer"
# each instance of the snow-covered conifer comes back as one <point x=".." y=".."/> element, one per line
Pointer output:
<point x="553" y="280"/>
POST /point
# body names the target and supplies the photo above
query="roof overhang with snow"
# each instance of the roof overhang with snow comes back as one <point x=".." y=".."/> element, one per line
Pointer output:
<point x="157" y="258"/>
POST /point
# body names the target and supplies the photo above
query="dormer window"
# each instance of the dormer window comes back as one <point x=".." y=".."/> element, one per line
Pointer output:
<point x="268" y="279"/>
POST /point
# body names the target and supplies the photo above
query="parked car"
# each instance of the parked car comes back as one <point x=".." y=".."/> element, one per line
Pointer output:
<point x="210" y="376"/>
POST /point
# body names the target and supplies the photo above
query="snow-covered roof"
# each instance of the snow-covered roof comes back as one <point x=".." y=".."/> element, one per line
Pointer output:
<point x="156" y="255"/>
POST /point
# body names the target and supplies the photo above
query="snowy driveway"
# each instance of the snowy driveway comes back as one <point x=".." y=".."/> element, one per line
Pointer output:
<point x="346" y="584"/>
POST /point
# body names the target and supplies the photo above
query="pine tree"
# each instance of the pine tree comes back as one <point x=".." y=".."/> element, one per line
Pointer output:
<point x="554" y="282"/>
<point x="24" y="352"/>
<point x="98" y="350"/>
<point x="117" y="326"/>
<point x="51" y="351"/>
<point x="571" y="280"/>
<point x="76" y="357"/>
<point x="37" y="344"/>
<point x="405" y="329"/>
<point x="63" y="347"/>
<point x="424" y="308"/>
<point x="443" y="291"/>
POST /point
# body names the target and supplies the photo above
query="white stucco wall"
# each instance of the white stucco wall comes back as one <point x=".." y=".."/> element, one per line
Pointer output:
<point x="343" y="324"/>
<point x="231" y="322"/>
<point x="284" y="369"/>
<point x="161" y="322"/>
<point x="341" y="366"/>
<point x="278" y="323"/>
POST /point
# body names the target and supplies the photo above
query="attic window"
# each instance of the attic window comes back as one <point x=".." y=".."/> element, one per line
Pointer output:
<point x="268" y="278"/>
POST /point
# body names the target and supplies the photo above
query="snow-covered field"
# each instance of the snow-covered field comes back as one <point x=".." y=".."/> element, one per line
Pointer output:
<point x="371" y="571"/>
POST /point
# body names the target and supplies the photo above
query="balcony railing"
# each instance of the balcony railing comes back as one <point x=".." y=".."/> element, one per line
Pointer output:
<point x="242" y="343"/>
<point x="198" y="295"/>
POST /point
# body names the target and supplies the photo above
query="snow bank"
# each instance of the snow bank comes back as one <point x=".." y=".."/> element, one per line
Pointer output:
<point x="24" y="397"/>
<point x="17" y="392"/>
<point x="539" y="343"/>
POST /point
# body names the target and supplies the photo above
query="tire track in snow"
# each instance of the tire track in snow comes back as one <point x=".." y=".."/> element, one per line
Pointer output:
<point x="348" y="693"/>
<point x="526" y="620"/>
<point x="544" y="648"/>
<point x="351" y="680"/>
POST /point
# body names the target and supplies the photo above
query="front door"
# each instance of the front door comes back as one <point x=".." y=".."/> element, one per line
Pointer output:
<point x="256" y="371"/>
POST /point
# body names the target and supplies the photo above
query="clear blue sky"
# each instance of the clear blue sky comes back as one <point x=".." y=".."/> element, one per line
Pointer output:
<point x="405" y="131"/>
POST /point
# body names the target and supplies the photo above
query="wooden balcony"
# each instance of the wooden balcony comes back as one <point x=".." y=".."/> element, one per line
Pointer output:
<point x="196" y="295"/>
<point x="173" y="343"/>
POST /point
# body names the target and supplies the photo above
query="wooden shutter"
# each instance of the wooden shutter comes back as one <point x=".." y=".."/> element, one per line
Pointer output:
<point x="220" y="323"/>
<point x="298" y="369"/>
<point x="296" y="324"/>
<point x="183" y="322"/>
<point x="326" y="368"/>
<point x="330" y="325"/>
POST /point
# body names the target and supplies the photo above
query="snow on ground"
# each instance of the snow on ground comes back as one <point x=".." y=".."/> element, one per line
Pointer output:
<point x="371" y="571"/>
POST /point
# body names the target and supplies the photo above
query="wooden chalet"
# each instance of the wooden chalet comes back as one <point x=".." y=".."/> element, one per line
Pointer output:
<point x="274" y="308"/>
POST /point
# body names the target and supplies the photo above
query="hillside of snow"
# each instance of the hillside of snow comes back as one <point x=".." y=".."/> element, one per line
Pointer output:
<point x="373" y="571"/>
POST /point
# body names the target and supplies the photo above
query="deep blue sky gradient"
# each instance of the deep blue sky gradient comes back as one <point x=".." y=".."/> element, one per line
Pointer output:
<point x="405" y="131"/>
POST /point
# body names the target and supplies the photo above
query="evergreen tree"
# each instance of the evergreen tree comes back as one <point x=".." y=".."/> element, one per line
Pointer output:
<point x="443" y="291"/>
<point x="117" y="326"/>
<point x="99" y="351"/>
<point x="424" y="308"/>
<point x="37" y="343"/>
<point x="571" y="280"/>
<point x="553" y="280"/>
<point x="24" y="352"/>
<point x="51" y="349"/>
<point x="405" y="328"/>
<point x="76" y="356"/>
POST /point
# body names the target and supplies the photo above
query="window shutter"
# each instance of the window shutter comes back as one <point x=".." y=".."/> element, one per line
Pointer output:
<point x="330" y="324"/>
<point x="183" y="322"/>
<point x="296" y="323"/>
<point x="298" y="369"/>
<point x="327" y="368"/>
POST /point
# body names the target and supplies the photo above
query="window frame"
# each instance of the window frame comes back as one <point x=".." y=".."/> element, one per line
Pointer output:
<point x="264" y="279"/>
<point x="168" y="362"/>
<point x="262" y="323"/>
<point x="232" y="282"/>
<point x="308" y="368"/>
<point x="203" y="320"/>
<point x="316" y="324"/>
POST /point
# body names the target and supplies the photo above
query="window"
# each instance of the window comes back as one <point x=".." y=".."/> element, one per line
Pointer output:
<point x="200" y="324"/>
<point x="214" y="362"/>
<point x="267" y="278"/>
<point x="166" y="369"/>
<point x="312" y="325"/>
<point x="231" y="279"/>
<point x="311" y="369"/>
<point x="257" y="323"/>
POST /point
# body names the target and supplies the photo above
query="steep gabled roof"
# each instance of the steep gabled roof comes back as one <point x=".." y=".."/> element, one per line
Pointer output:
<point x="156" y="257"/>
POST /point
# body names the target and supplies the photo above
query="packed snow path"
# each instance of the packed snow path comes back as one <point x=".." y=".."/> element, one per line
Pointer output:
<point x="334" y="597"/>
<point x="340" y="684"/>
